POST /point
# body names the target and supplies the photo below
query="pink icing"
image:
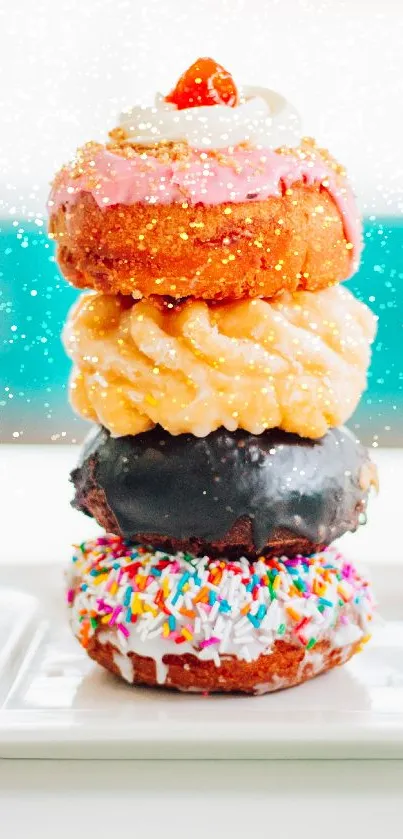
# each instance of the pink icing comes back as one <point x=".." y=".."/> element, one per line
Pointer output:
<point x="256" y="175"/>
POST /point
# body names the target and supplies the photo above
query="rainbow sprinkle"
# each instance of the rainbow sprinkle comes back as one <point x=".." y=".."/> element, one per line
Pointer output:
<point x="211" y="607"/>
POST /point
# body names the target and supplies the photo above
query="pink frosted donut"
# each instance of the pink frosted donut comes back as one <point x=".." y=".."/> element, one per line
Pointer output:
<point x="228" y="223"/>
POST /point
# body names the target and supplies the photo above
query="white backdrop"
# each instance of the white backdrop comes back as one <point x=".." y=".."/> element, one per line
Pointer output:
<point x="68" y="66"/>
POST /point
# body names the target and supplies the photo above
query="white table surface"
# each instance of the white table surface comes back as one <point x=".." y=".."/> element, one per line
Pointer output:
<point x="209" y="799"/>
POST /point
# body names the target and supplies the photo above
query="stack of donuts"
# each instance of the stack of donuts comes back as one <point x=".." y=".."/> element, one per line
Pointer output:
<point x="218" y="356"/>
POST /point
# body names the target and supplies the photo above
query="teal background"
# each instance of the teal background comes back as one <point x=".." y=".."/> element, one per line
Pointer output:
<point x="34" y="300"/>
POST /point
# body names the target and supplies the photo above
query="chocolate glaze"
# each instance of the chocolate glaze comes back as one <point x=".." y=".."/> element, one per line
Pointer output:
<point x="193" y="492"/>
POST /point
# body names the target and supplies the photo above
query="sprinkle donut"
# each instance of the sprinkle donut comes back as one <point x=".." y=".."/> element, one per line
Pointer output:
<point x="204" y="625"/>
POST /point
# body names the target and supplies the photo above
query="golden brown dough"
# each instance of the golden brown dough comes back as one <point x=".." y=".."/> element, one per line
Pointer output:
<point x="285" y="667"/>
<point x="257" y="249"/>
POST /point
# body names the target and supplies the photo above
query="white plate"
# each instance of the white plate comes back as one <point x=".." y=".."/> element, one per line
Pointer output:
<point x="54" y="702"/>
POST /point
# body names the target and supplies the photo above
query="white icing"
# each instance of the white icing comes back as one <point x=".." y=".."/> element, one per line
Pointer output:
<point x="264" y="118"/>
<point x="161" y="671"/>
<point x="124" y="663"/>
<point x="348" y="634"/>
<point x="312" y="664"/>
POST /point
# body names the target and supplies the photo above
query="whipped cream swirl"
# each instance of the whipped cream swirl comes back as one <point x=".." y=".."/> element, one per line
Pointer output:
<point x="264" y="118"/>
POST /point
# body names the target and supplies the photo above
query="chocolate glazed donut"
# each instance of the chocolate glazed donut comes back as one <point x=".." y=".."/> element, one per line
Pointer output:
<point x="228" y="494"/>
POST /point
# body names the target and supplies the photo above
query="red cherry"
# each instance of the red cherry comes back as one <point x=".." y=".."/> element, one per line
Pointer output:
<point x="204" y="83"/>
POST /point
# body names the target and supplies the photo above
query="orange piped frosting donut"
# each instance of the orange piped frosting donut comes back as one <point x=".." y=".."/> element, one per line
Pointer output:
<point x="297" y="362"/>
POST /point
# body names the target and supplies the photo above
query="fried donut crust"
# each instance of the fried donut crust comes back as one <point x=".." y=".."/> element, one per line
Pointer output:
<point x="248" y="249"/>
<point x="286" y="666"/>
